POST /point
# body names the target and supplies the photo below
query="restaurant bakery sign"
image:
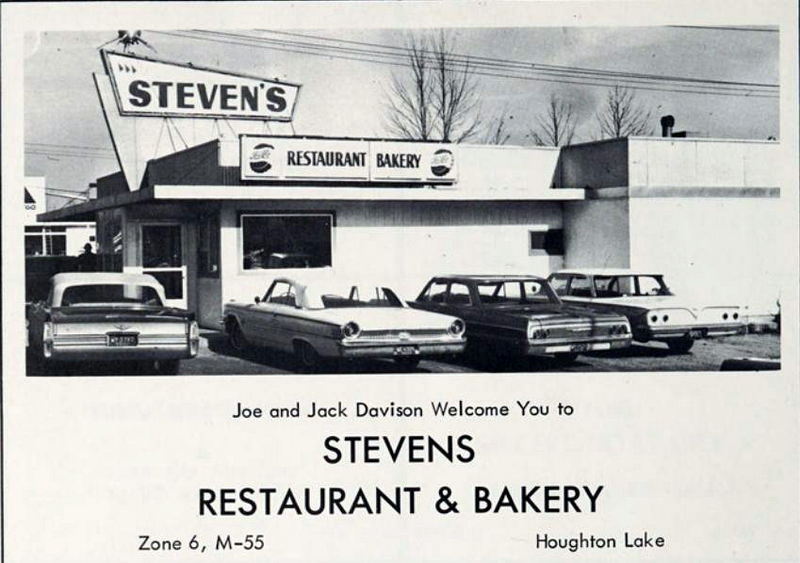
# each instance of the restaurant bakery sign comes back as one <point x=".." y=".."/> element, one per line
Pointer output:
<point x="147" y="87"/>
<point x="272" y="158"/>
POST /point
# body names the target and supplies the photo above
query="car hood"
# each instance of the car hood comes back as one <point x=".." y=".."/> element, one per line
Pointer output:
<point x="381" y="318"/>
<point x="119" y="314"/>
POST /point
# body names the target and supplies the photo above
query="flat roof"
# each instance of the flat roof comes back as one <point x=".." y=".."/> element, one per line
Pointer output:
<point x="608" y="272"/>
<point x="489" y="278"/>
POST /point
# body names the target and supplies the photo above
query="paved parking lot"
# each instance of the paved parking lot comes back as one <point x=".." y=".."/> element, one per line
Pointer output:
<point x="217" y="358"/>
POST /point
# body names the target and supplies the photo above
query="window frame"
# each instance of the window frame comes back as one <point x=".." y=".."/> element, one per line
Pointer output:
<point x="545" y="231"/>
<point x="242" y="214"/>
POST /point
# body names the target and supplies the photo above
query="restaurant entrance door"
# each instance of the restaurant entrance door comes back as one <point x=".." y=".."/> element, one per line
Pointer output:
<point x="163" y="258"/>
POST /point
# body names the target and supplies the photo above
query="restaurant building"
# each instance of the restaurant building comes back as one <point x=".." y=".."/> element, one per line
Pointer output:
<point x="216" y="196"/>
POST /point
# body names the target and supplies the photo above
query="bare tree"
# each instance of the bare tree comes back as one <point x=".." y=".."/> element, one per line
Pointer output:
<point x="438" y="97"/>
<point x="622" y="115"/>
<point x="409" y="107"/>
<point x="497" y="129"/>
<point x="556" y="126"/>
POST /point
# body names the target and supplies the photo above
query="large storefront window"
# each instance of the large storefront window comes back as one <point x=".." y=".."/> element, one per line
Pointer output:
<point x="45" y="241"/>
<point x="273" y="241"/>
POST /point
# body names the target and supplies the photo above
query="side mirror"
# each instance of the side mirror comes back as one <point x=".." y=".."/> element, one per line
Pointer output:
<point x="257" y="299"/>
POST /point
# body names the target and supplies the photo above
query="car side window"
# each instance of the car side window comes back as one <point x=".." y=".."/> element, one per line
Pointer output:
<point x="282" y="293"/>
<point x="649" y="285"/>
<point x="607" y="286"/>
<point x="437" y="293"/>
<point x="458" y="295"/>
<point x="580" y="287"/>
<point x="560" y="284"/>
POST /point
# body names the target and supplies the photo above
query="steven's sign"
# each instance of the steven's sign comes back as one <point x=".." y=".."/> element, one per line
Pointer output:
<point x="288" y="159"/>
<point x="154" y="88"/>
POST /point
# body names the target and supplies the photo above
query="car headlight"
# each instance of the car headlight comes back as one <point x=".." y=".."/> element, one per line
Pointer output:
<point x="351" y="330"/>
<point x="457" y="327"/>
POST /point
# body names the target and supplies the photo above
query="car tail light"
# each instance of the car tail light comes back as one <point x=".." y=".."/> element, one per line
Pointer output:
<point x="724" y="316"/>
<point x="653" y="318"/>
<point x="735" y="316"/>
<point x="619" y="330"/>
<point x="47" y="339"/>
<point x="535" y="333"/>
<point x="457" y="327"/>
<point x="665" y="318"/>
<point x="351" y="330"/>
<point x="194" y="338"/>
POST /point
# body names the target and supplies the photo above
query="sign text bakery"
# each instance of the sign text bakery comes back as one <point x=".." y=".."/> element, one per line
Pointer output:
<point x="269" y="158"/>
<point x="147" y="87"/>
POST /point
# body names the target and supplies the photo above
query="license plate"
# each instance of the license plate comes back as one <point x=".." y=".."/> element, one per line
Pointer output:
<point x="404" y="350"/>
<point x="122" y="340"/>
<point x="582" y="347"/>
<point x="696" y="334"/>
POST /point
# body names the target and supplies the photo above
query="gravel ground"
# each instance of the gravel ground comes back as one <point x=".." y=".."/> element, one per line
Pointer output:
<point x="217" y="358"/>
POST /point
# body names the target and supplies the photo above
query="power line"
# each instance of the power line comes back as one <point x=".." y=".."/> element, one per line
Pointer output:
<point x="60" y="146"/>
<point x="501" y="64"/>
<point x="729" y="28"/>
<point x="544" y="76"/>
<point x="523" y="64"/>
<point x="67" y="154"/>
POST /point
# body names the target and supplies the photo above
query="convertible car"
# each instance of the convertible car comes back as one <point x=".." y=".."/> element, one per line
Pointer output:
<point x="652" y="309"/>
<point x="521" y="315"/>
<point x="104" y="316"/>
<point x="349" y="321"/>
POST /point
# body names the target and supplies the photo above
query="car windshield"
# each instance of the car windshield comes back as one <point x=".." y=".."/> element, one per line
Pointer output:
<point x="351" y="296"/>
<point x="629" y="286"/>
<point x="516" y="292"/>
<point x="110" y="294"/>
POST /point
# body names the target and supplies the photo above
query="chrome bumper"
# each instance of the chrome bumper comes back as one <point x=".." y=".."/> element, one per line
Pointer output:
<point x="695" y="331"/>
<point x="576" y="346"/>
<point x="399" y="349"/>
<point x="74" y="350"/>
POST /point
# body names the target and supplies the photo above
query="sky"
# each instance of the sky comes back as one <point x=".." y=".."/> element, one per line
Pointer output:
<point x="347" y="98"/>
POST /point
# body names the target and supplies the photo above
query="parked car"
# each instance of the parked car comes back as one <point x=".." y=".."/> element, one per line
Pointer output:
<point x="316" y="322"/>
<point x="105" y="316"/>
<point x="654" y="312"/>
<point x="521" y="315"/>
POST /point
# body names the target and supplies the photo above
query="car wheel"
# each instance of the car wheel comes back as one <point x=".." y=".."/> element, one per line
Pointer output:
<point x="680" y="345"/>
<point x="566" y="357"/>
<point x="166" y="367"/>
<point x="407" y="363"/>
<point x="307" y="358"/>
<point x="236" y="337"/>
